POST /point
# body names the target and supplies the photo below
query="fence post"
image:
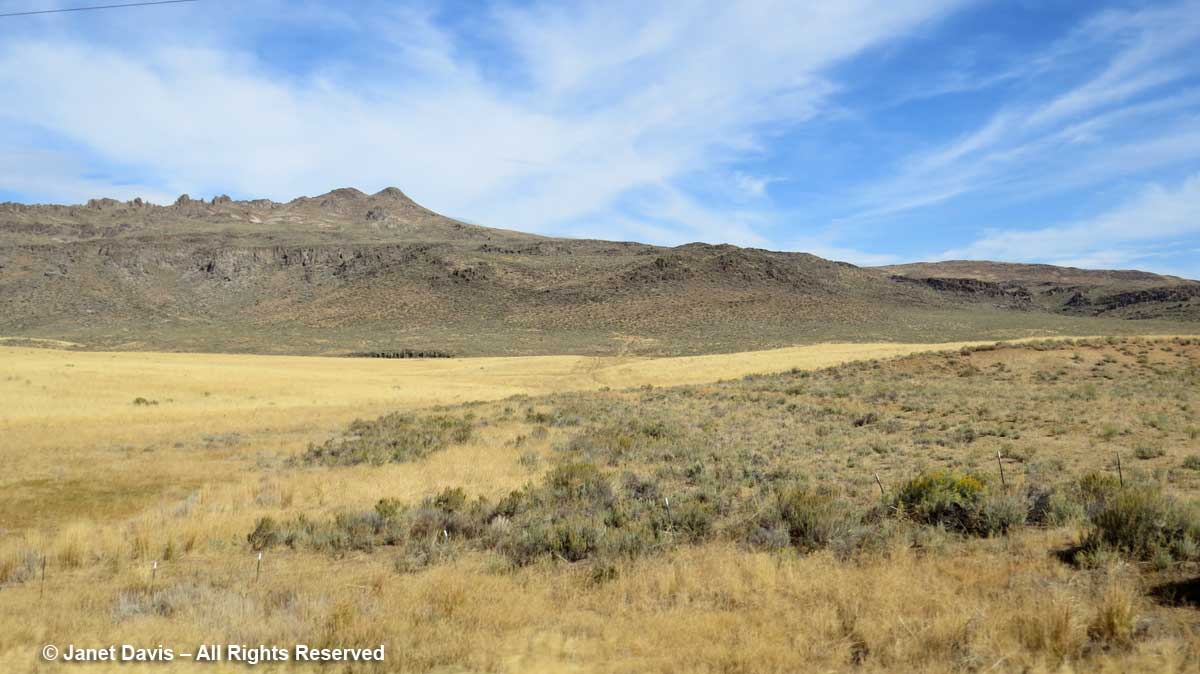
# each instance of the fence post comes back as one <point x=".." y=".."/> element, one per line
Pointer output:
<point x="1120" y="473"/>
<point x="1000" y="462"/>
<point x="258" y="569"/>
<point x="879" y="482"/>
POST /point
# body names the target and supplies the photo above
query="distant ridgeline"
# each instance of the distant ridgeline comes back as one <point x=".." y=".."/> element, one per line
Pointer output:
<point x="403" y="353"/>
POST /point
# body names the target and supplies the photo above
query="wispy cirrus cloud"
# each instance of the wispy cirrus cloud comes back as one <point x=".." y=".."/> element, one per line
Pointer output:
<point x="1062" y="138"/>
<point x="600" y="109"/>
<point x="869" y="132"/>
<point x="1133" y="232"/>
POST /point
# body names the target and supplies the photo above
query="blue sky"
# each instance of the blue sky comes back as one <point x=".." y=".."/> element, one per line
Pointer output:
<point x="873" y="132"/>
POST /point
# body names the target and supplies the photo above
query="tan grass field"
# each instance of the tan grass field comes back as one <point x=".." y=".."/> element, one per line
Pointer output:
<point x="102" y="487"/>
<point x="75" y="442"/>
<point x="54" y="399"/>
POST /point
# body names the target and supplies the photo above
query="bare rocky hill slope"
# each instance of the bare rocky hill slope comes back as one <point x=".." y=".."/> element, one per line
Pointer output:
<point x="351" y="272"/>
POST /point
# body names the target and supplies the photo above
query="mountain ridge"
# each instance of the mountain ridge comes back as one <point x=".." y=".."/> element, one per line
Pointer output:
<point x="347" y="271"/>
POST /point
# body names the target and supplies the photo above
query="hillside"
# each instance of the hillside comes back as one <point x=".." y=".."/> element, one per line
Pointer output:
<point x="347" y="271"/>
<point x="1126" y="294"/>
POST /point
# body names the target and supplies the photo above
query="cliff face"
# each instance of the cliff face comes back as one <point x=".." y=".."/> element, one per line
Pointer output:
<point x="1008" y="294"/>
<point x="1124" y="294"/>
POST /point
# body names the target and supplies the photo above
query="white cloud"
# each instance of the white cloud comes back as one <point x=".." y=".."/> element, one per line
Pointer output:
<point x="613" y="98"/>
<point x="852" y="255"/>
<point x="1101" y="127"/>
<point x="828" y="248"/>
<point x="752" y="186"/>
<point x="1135" y="230"/>
<point x="59" y="178"/>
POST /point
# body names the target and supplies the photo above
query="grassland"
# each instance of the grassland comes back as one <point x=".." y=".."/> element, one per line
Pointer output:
<point x="772" y="550"/>
<point x="70" y="417"/>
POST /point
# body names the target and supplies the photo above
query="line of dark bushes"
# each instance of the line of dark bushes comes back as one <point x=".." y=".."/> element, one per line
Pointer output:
<point x="402" y="353"/>
<point x="579" y="512"/>
<point x="393" y="438"/>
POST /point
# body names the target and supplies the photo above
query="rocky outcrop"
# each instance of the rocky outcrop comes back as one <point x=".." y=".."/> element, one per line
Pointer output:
<point x="1167" y="294"/>
<point x="972" y="287"/>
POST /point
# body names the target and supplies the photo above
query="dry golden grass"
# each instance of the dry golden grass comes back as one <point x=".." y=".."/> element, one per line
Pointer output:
<point x="54" y="399"/>
<point x="101" y="488"/>
<point x="75" y="442"/>
<point x="990" y="605"/>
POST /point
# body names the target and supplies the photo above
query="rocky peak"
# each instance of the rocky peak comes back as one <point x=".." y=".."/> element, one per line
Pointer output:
<point x="342" y="194"/>
<point x="392" y="193"/>
<point x="393" y="197"/>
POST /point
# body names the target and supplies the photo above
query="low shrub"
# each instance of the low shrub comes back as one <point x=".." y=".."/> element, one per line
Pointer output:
<point x="815" y="519"/>
<point x="1093" y="490"/>
<point x="572" y="538"/>
<point x="959" y="502"/>
<point x="572" y="515"/>
<point x="1054" y="506"/>
<point x="576" y="481"/>
<point x="998" y="513"/>
<point x="1144" y="523"/>
<point x="941" y="498"/>
<point x="392" y="438"/>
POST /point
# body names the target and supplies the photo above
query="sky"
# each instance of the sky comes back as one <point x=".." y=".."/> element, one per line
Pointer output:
<point x="871" y="132"/>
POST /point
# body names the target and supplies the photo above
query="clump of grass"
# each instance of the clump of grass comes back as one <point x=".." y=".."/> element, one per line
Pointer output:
<point x="1146" y="452"/>
<point x="19" y="565"/>
<point x="1192" y="462"/>
<point x="530" y="461"/>
<point x="266" y="534"/>
<point x="1114" y="624"/>
<point x="1051" y="630"/>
